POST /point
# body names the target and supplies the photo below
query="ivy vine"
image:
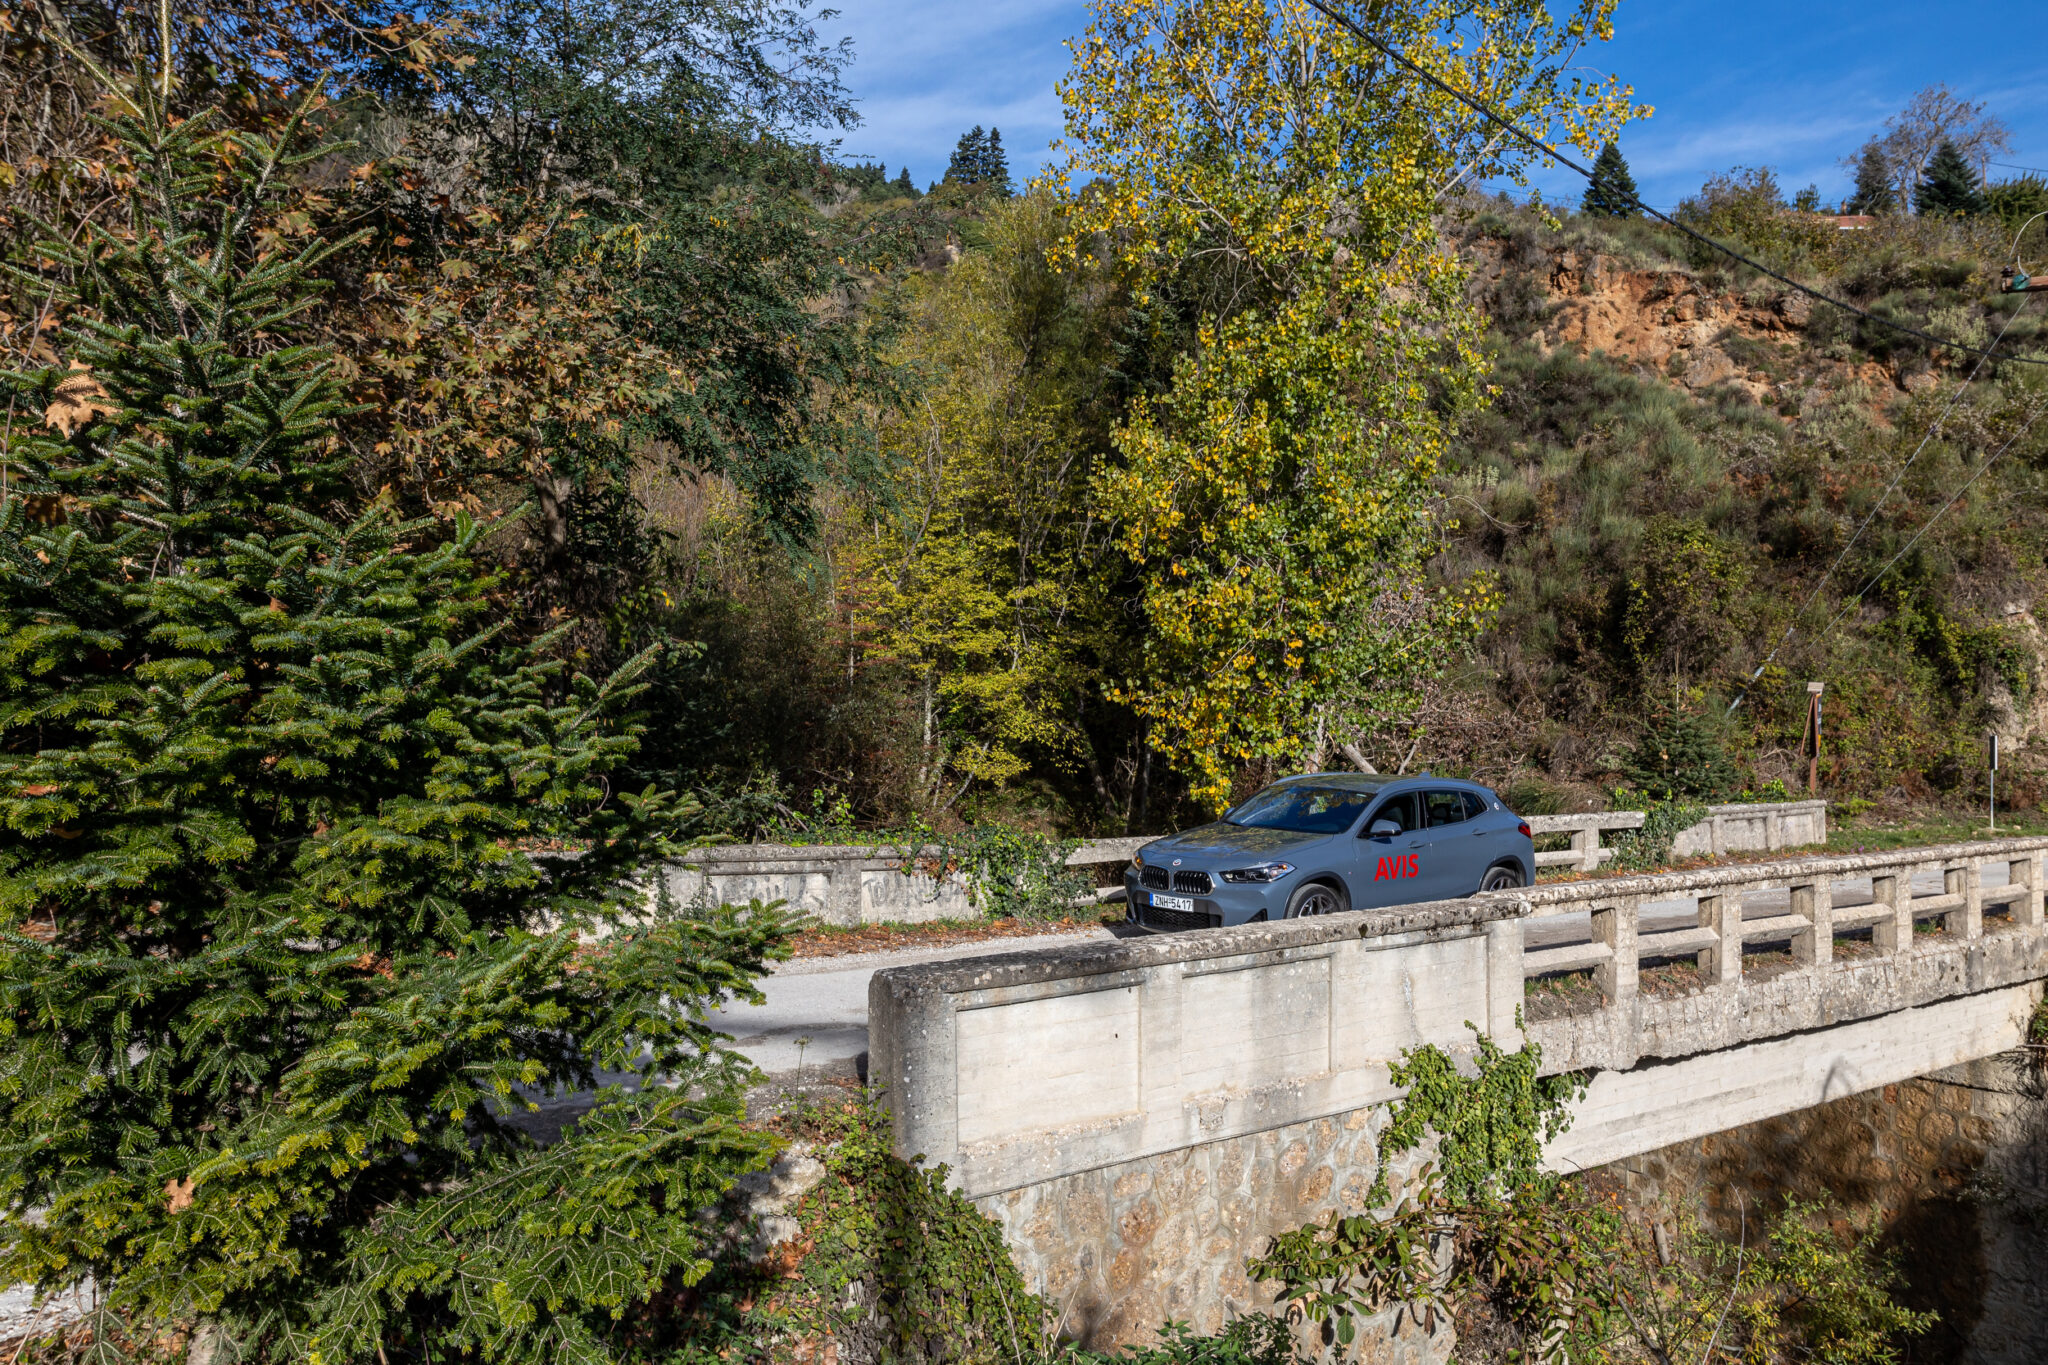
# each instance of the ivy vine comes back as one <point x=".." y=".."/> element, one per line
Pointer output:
<point x="1649" y="848"/>
<point x="1490" y="1125"/>
<point x="1010" y="873"/>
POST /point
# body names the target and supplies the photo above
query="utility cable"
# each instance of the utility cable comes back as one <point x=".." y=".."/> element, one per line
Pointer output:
<point x="1864" y="591"/>
<point x="1982" y="353"/>
<point x="1890" y="488"/>
<point x="1543" y="148"/>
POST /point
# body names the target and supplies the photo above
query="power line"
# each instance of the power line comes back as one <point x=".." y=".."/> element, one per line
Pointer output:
<point x="1480" y="107"/>
<point x="1889" y="489"/>
<point x="1982" y="469"/>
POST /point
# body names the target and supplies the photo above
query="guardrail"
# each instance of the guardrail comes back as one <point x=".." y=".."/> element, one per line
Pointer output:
<point x="1811" y="921"/>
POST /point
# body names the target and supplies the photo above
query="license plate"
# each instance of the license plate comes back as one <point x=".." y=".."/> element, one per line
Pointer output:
<point x="1160" y="902"/>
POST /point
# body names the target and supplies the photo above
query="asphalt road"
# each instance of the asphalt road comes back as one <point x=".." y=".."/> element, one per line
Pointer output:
<point x="824" y="1000"/>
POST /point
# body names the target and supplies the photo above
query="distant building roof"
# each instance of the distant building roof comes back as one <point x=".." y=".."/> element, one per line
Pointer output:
<point x="1852" y="222"/>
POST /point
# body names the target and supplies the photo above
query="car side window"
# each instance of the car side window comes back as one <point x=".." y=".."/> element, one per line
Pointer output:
<point x="1475" y="805"/>
<point x="1445" y="808"/>
<point x="1400" y="809"/>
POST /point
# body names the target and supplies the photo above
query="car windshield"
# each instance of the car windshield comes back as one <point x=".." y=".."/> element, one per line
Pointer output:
<point x="1302" y="809"/>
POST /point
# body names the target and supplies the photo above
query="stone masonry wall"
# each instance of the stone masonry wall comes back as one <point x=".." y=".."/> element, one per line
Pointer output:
<point x="1954" y="1166"/>
<point x="1124" y="1248"/>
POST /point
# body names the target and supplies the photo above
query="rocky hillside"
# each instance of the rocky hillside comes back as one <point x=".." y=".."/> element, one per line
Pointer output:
<point x="1677" y="454"/>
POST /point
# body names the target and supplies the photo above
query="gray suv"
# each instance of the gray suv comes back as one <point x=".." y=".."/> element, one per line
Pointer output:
<point x="1327" y="842"/>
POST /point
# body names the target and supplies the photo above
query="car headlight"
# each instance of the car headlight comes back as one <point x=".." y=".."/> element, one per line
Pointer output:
<point x="1137" y="862"/>
<point x="1264" y="872"/>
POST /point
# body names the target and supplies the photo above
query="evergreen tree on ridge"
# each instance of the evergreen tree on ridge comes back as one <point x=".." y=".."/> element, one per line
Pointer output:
<point x="1950" y="188"/>
<point x="1611" y="193"/>
<point x="1873" y="182"/>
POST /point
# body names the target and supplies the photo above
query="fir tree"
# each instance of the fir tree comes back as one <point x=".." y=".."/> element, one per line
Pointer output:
<point x="1873" y="182"/>
<point x="1611" y="193"/>
<point x="1950" y="187"/>
<point x="995" y="165"/>
<point x="1681" y="755"/>
<point x="970" y="153"/>
<point x="903" y="183"/>
<point x="276" y="981"/>
<point x="980" y="162"/>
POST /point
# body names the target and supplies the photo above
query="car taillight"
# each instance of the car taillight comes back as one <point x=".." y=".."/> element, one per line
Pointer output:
<point x="1524" y="827"/>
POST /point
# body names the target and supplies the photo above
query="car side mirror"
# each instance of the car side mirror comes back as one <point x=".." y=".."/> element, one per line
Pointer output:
<point x="1384" y="829"/>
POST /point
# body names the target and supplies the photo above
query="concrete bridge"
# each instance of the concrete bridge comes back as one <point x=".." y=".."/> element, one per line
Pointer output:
<point x="1142" y="1115"/>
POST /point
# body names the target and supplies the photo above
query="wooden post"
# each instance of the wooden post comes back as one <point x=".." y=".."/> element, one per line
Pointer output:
<point x="1811" y="741"/>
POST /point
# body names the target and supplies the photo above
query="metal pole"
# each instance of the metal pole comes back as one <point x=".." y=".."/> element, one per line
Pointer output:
<point x="1993" y="785"/>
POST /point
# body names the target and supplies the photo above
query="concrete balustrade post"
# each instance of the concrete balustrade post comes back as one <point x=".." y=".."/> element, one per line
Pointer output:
<point x="1814" y="901"/>
<point x="1895" y="892"/>
<point x="1966" y="881"/>
<point x="1586" y="843"/>
<point x="1616" y="926"/>
<point x="1721" y="965"/>
<point x="1774" y="830"/>
<point x="2026" y="872"/>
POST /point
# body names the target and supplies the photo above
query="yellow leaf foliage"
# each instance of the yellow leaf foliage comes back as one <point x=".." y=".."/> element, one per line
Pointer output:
<point x="1252" y="163"/>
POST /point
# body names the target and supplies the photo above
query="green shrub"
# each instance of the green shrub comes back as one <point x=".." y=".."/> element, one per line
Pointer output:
<point x="1681" y="754"/>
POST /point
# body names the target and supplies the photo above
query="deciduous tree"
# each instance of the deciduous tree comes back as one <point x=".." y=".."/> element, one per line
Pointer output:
<point x="1276" y="499"/>
<point x="1934" y="116"/>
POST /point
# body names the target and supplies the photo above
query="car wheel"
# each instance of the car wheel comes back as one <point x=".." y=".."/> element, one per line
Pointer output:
<point x="1315" y="898"/>
<point x="1501" y="879"/>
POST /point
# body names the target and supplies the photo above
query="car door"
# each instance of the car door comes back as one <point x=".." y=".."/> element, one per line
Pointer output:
<point x="1388" y="866"/>
<point x="1449" y="861"/>
<point x="1494" y="835"/>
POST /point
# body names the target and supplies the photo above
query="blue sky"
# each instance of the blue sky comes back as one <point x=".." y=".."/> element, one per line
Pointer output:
<point x="1791" y="85"/>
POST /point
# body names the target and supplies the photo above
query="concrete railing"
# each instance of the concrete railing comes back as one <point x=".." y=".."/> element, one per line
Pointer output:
<point x="1587" y="852"/>
<point x="847" y="885"/>
<point x="842" y="885"/>
<point x="853" y="884"/>
<point x="1019" y="1068"/>
<point x="1742" y="827"/>
<point x="1754" y="827"/>
<point x="1865" y="904"/>
<point x="1760" y="989"/>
